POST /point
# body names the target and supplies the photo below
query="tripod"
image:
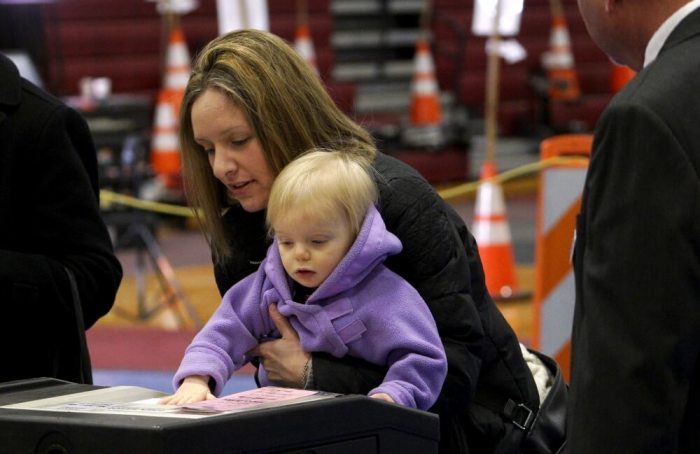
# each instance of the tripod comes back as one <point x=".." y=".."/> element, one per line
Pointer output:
<point x="139" y="236"/>
<point x="135" y="231"/>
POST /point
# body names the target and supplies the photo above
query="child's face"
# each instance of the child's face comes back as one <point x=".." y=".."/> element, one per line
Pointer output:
<point x="312" y="246"/>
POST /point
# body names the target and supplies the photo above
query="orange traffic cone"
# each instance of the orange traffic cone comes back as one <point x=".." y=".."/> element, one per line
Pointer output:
<point x="177" y="61"/>
<point x="425" y="96"/>
<point x="305" y="46"/>
<point x="492" y="235"/>
<point x="165" y="152"/>
<point x="559" y="63"/>
<point x="619" y="76"/>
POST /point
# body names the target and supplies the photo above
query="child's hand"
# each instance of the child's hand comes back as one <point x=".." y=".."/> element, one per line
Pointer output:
<point x="193" y="389"/>
<point x="383" y="396"/>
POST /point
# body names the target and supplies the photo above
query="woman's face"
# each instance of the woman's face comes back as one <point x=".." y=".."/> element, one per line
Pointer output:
<point x="235" y="154"/>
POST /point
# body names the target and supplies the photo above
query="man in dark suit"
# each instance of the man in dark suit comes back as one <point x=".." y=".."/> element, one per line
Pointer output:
<point x="50" y="232"/>
<point x="635" y="377"/>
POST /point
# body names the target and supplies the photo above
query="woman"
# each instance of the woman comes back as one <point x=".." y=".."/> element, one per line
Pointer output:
<point x="251" y="106"/>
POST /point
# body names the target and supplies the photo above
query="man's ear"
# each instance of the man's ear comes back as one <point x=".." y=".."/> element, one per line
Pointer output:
<point x="612" y="5"/>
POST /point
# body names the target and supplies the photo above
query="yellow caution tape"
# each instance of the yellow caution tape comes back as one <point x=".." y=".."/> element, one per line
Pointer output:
<point x="108" y="197"/>
<point x="466" y="188"/>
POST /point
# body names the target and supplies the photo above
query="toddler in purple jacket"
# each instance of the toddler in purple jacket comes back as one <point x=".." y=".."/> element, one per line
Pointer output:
<point x="324" y="271"/>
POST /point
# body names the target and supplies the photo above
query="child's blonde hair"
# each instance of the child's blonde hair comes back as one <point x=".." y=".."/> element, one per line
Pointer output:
<point x="323" y="181"/>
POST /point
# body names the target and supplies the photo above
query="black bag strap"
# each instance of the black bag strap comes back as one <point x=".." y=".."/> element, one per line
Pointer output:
<point x="544" y="430"/>
<point x="85" y="363"/>
<point x="517" y="413"/>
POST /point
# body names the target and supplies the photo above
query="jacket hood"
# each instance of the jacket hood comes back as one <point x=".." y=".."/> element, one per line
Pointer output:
<point x="374" y="243"/>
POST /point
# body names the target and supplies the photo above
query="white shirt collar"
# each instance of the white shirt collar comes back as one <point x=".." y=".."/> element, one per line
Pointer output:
<point x="661" y="35"/>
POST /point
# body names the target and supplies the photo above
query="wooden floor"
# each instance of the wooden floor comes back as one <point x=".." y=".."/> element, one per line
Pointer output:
<point x="186" y="294"/>
<point x="170" y="311"/>
<point x="167" y="309"/>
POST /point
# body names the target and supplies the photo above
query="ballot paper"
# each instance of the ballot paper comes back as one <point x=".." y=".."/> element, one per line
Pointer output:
<point x="268" y="396"/>
<point x="138" y="401"/>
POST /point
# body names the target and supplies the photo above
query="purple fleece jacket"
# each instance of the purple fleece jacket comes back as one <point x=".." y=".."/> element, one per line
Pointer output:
<point x="362" y="309"/>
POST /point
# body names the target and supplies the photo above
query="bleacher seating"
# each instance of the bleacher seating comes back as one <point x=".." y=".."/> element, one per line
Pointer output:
<point x="125" y="41"/>
<point x="518" y="97"/>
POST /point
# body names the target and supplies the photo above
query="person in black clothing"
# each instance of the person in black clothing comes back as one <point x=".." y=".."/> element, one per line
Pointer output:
<point x="51" y="233"/>
<point x="282" y="111"/>
<point x="635" y="351"/>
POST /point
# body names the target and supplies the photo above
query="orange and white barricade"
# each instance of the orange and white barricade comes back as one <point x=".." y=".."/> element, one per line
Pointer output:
<point x="559" y="201"/>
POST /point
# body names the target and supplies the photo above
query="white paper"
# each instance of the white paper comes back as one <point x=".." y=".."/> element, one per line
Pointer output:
<point x="134" y="400"/>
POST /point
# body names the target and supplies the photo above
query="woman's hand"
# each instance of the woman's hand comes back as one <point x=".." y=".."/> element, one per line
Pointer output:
<point x="193" y="389"/>
<point x="283" y="359"/>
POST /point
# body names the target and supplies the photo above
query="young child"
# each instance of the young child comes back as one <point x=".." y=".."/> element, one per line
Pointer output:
<point x="324" y="271"/>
